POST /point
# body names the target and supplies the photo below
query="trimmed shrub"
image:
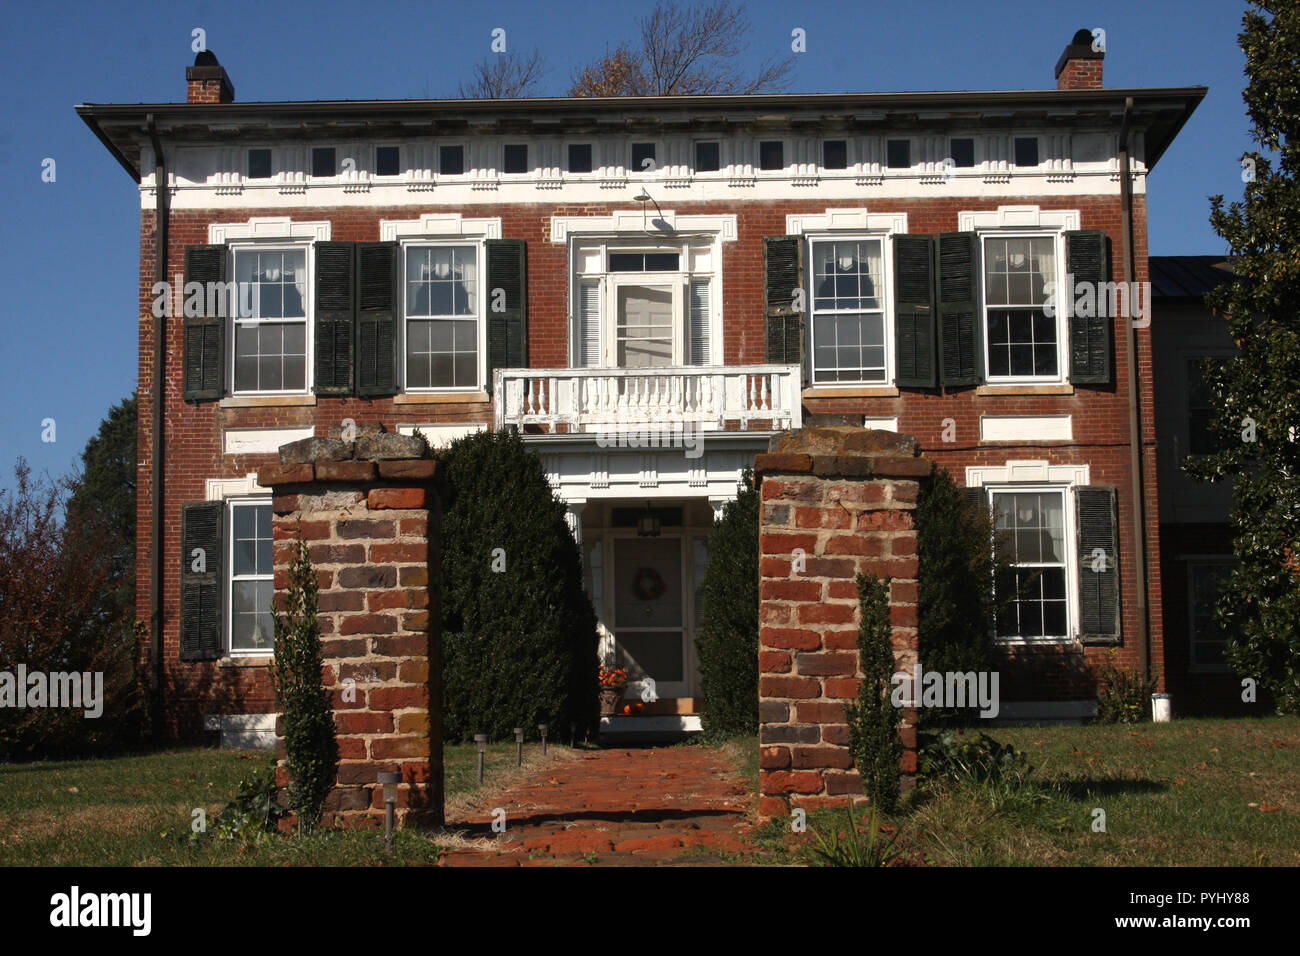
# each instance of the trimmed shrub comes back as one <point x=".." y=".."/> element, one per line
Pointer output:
<point x="728" y="636"/>
<point x="956" y="606"/>
<point x="1123" y="696"/>
<point x="518" y="630"/>
<point x="874" y="740"/>
<point x="311" y="749"/>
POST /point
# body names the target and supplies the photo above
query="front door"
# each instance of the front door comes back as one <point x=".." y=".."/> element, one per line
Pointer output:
<point x="649" y="612"/>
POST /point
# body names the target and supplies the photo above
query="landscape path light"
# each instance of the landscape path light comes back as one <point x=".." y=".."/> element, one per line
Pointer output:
<point x="390" y="779"/>
<point x="481" y="740"/>
<point x="542" y="728"/>
<point x="519" y="746"/>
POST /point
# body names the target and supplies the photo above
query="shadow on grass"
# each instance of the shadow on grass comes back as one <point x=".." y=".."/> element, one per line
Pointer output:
<point x="607" y="816"/>
<point x="1103" y="787"/>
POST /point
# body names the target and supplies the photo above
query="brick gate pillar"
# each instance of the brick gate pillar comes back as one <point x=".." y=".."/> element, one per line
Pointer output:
<point x="370" y="511"/>
<point x="836" y="502"/>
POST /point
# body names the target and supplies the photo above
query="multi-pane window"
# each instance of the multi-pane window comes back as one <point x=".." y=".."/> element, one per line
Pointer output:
<point x="441" y="325"/>
<point x="1204" y="579"/>
<point x="270" y="320"/>
<point x="1035" y="583"/>
<point x="848" y="318"/>
<point x="1023" y="341"/>
<point x="251" y="583"/>
<point x="708" y="157"/>
<point x="1200" y="410"/>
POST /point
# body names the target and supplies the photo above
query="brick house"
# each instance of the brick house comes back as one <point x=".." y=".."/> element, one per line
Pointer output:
<point x="649" y="289"/>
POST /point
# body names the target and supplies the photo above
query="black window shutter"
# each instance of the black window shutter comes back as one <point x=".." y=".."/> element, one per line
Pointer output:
<point x="957" y="304"/>
<point x="507" y="330"/>
<point x="977" y="498"/>
<point x="201" y="539"/>
<point x="914" y="329"/>
<point x="783" y="280"/>
<point x="1098" y="530"/>
<point x="377" y="307"/>
<point x="336" y="304"/>
<point x="1087" y="258"/>
<point x="204" y="359"/>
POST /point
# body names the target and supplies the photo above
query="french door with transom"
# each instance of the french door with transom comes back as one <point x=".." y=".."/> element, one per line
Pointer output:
<point x="649" y="606"/>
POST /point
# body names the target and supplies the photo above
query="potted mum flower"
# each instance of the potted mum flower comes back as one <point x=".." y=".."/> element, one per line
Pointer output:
<point x="613" y="682"/>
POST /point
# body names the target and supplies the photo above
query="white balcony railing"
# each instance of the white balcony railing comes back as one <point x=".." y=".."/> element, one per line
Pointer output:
<point x="709" y="397"/>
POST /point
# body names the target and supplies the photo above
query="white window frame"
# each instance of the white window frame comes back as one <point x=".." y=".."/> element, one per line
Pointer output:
<point x="1066" y="490"/>
<point x="1199" y="561"/>
<point x="911" y="155"/>
<point x="269" y="179"/>
<point x="1062" y="328"/>
<point x="786" y="152"/>
<point x="822" y="168"/>
<point x="480" y="278"/>
<point x="635" y="172"/>
<point x="465" y="160"/>
<point x="720" y="172"/>
<point x="338" y="163"/>
<point x="237" y="246"/>
<point x="374" y="162"/>
<point x="229" y="504"/>
<point x="607" y="283"/>
<point x="887" y="302"/>
<point x="1039" y="148"/>
<point x="531" y="154"/>
<point x="595" y="171"/>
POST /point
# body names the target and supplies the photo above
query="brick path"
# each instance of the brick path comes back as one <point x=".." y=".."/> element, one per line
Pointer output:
<point x="641" y="807"/>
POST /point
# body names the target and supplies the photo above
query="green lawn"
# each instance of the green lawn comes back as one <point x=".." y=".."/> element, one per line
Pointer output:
<point x="136" y="810"/>
<point x="1192" y="792"/>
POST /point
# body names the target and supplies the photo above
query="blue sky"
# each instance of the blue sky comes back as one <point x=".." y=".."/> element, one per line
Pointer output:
<point x="71" y="247"/>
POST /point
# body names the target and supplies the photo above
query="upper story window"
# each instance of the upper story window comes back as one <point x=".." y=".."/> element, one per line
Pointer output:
<point x="848" y="327"/>
<point x="579" y="158"/>
<point x="898" y="153"/>
<point x="643" y="157"/>
<point x="451" y="160"/>
<point x="1202" y="440"/>
<point x="642" y="307"/>
<point x="441" y="319"/>
<point x="259" y="164"/>
<point x="250" y="584"/>
<point x="1026" y="151"/>
<point x="270" y="324"/>
<point x="835" y="154"/>
<point x="708" y="156"/>
<point x="1022" y="343"/>
<point x="323" y="162"/>
<point x="962" y="151"/>
<point x="514" y="158"/>
<point x="387" y="161"/>
<point x="771" y="154"/>
<point x="1037" y="582"/>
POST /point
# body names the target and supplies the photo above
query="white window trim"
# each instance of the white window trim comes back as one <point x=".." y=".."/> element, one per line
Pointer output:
<point x="228" y="577"/>
<point x="268" y="228"/>
<point x="1018" y="217"/>
<point x="720" y="172"/>
<point x="374" y="162"/>
<point x="855" y="220"/>
<point x="606" y="282"/>
<point x="480" y="323"/>
<point x="532" y="152"/>
<point x="219" y="489"/>
<point x="308" y="319"/>
<point x="656" y="168"/>
<point x="632" y="224"/>
<point x="596" y="168"/>
<point x="439" y="225"/>
<point x="886" y="305"/>
<point x="1062" y="325"/>
<point x="1040" y="476"/>
<point x="466" y="161"/>
<point x="339" y="156"/>
<point x="781" y="171"/>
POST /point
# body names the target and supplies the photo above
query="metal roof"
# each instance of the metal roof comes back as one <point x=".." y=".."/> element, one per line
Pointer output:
<point x="1188" y="277"/>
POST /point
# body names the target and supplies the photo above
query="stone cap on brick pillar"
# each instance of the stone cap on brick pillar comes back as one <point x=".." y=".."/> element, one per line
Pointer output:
<point x="374" y="455"/>
<point x="843" y="451"/>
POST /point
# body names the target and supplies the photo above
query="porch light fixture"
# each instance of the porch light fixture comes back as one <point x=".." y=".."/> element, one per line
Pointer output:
<point x="481" y="740"/>
<point x="390" y="779"/>
<point x="648" y="525"/>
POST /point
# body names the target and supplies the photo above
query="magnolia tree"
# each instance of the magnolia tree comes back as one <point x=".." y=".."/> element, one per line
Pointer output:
<point x="1257" y="393"/>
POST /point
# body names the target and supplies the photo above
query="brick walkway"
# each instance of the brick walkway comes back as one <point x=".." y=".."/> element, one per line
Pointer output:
<point x="641" y="807"/>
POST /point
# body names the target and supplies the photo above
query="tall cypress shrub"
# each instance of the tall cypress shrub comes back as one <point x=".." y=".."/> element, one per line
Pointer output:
<point x="874" y="741"/>
<point x="728" y="636"/>
<point x="518" y="629"/>
<point x="311" y="748"/>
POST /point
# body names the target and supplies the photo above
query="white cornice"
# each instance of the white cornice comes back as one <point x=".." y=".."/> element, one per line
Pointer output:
<point x="268" y="227"/>
<point x="855" y="220"/>
<point x="636" y="221"/>
<point x="439" y="224"/>
<point x="1018" y="217"/>
<point x="1018" y="471"/>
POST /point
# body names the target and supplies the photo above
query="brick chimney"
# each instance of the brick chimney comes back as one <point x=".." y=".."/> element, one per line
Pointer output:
<point x="1079" y="67"/>
<point x="206" y="81"/>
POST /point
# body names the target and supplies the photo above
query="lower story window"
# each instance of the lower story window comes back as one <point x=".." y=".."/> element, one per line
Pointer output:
<point x="1204" y="579"/>
<point x="251" y="578"/>
<point x="1037" y="581"/>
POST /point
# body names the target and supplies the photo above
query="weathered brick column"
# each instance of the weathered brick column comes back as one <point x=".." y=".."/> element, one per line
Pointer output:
<point x="836" y="502"/>
<point x="370" y="511"/>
